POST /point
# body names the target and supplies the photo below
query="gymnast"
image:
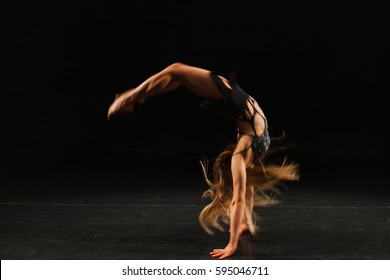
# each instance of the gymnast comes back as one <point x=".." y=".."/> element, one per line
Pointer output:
<point x="242" y="177"/>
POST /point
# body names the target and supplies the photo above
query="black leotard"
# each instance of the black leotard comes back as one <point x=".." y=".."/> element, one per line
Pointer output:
<point x="235" y="105"/>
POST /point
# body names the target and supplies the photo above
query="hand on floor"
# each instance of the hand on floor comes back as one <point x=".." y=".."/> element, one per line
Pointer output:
<point x="223" y="253"/>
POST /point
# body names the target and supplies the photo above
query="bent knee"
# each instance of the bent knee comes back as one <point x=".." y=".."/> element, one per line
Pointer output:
<point x="175" y="67"/>
<point x="175" y="71"/>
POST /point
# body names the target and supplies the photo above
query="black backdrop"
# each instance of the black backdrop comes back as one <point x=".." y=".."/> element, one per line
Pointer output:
<point x="317" y="69"/>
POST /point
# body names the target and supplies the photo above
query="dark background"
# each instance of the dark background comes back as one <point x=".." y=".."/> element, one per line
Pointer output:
<point x="317" y="69"/>
<point x="74" y="185"/>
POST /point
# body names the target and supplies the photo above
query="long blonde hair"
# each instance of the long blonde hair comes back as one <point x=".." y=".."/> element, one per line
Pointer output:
<point x="267" y="175"/>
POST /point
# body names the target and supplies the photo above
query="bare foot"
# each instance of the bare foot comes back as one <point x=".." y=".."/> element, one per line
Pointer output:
<point x="125" y="92"/>
<point x="124" y="103"/>
<point x="118" y="94"/>
<point x="120" y="105"/>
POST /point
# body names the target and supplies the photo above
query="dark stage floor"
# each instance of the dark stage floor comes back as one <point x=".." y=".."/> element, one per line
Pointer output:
<point x="125" y="214"/>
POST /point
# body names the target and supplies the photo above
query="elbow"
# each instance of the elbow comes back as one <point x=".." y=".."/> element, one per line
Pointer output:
<point x="238" y="203"/>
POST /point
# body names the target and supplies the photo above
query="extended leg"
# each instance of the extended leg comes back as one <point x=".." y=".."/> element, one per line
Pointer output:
<point x="195" y="79"/>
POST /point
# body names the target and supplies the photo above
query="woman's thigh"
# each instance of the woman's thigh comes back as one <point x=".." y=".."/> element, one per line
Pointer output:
<point x="197" y="80"/>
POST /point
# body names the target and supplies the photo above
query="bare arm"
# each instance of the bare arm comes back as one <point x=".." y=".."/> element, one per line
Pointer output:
<point x="237" y="206"/>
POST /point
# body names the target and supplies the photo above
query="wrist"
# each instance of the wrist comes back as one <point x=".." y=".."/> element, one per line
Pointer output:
<point x="233" y="244"/>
